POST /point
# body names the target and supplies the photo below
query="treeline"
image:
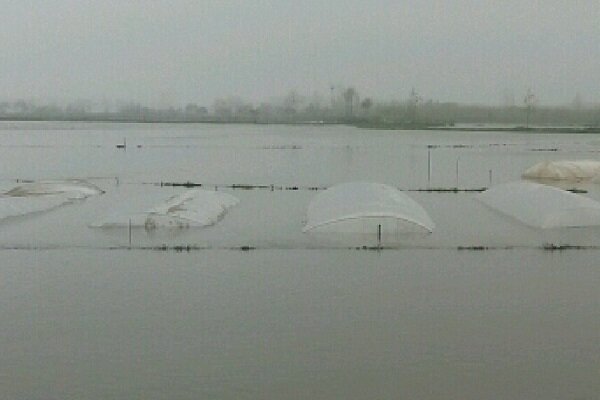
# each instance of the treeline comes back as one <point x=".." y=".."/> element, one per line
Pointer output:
<point x="432" y="113"/>
<point x="341" y="105"/>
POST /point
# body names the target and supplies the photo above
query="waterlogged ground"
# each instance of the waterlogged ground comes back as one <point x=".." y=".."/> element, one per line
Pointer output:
<point x="296" y="316"/>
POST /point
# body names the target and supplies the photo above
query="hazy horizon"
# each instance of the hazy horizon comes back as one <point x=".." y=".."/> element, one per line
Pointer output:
<point x="175" y="52"/>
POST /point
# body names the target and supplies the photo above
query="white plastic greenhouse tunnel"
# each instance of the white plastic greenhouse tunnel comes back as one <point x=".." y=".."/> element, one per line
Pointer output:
<point x="542" y="206"/>
<point x="366" y="208"/>
<point x="192" y="208"/>
<point x="566" y="170"/>
<point x="40" y="196"/>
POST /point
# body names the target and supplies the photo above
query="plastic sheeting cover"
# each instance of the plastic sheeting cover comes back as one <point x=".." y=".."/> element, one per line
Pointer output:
<point x="570" y="170"/>
<point x="193" y="208"/>
<point x="542" y="206"/>
<point x="42" y="196"/>
<point x="358" y="207"/>
<point x="74" y="189"/>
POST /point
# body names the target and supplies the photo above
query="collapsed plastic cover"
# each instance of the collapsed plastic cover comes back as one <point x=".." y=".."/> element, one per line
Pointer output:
<point x="193" y="208"/>
<point x="542" y="206"/>
<point x="35" y="197"/>
<point x="359" y="207"/>
<point x="570" y="170"/>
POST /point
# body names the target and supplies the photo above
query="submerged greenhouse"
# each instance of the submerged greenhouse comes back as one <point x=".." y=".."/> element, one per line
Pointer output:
<point x="568" y="170"/>
<point x="361" y="207"/>
<point x="542" y="206"/>
<point x="192" y="208"/>
<point x="40" y="196"/>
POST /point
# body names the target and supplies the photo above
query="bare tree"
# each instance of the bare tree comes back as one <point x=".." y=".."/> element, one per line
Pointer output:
<point x="529" y="102"/>
<point x="413" y="101"/>
<point x="577" y="103"/>
<point x="332" y="94"/>
<point x="366" y="105"/>
<point x="292" y="102"/>
<point x="349" y="96"/>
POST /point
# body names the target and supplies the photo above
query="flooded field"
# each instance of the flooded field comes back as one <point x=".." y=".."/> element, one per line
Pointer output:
<point x="251" y="307"/>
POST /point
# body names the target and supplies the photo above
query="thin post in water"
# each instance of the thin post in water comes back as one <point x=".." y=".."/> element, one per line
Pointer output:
<point x="379" y="235"/>
<point x="130" y="233"/>
<point x="457" y="161"/>
<point x="123" y="145"/>
<point x="429" y="165"/>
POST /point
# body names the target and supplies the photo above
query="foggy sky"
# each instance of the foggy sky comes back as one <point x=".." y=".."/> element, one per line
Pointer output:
<point x="181" y="51"/>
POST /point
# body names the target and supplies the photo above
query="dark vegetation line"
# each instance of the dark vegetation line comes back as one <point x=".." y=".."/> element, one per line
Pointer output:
<point x="273" y="187"/>
<point x="359" y="123"/>
<point x="342" y="104"/>
<point x="521" y="129"/>
<point x="246" y="248"/>
<point x="287" y="147"/>
<point x="293" y="188"/>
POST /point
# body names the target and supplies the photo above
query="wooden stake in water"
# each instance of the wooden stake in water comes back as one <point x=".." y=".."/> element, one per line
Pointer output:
<point x="457" y="160"/>
<point x="124" y="145"/>
<point x="129" y="232"/>
<point x="379" y="235"/>
<point x="428" y="166"/>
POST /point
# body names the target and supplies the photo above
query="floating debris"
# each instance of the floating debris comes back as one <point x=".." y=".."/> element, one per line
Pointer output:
<point x="249" y="187"/>
<point x="187" y="184"/>
<point x="473" y="248"/>
<point x="448" y="190"/>
<point x="549" y="150"/>
<point x="283" y="147"/>
<point x="371" y="248"/>
<point x="563" y="247"/>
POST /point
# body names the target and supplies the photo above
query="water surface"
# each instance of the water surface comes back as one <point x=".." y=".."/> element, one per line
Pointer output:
<point x="298" y="316"/>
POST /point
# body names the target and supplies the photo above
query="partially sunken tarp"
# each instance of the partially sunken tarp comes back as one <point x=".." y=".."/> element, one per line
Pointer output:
<point x="575" y="170"/>
<point x="43" y="196"/>
<point x="542" y="206"/>
<point x="193" y="208"/>
<point x="359" y="207"/>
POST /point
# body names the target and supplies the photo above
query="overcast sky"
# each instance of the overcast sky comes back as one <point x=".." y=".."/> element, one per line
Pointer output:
<point x="181" y="51"/>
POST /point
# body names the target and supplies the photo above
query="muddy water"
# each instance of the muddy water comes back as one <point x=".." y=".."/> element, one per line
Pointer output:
<point x="297" y="317"/>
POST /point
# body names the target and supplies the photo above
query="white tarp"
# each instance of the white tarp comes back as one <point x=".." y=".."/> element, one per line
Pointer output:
<point x="193" y="208"/>
<point x="359" y="207"/>
<point x="73" y="188"/>
<point x="569" y="170"/>
<point x="42" y="196"/>
<point x="542" y="206"/>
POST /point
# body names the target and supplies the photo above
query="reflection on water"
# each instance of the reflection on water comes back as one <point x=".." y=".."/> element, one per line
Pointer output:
<point x="299" y="316"/>
<point x="427" y="324"/>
